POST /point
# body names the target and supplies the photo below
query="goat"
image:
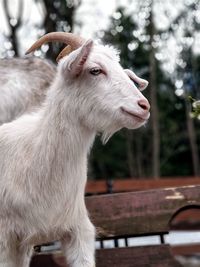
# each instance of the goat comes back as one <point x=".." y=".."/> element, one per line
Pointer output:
<point x="23" y="85"/>
<point x="43" y="156"/>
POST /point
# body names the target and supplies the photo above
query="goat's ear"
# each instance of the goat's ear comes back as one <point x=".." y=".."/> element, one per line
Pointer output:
<point x="141" y="82"/>
<point x="76" y="65"/>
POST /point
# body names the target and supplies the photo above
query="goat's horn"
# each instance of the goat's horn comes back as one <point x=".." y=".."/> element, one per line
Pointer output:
<point x="66" y="51"/>
<point x="74" y="41"/>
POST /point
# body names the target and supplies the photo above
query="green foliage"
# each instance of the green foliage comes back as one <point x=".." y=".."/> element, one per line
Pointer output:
<point x="195" y="108"/>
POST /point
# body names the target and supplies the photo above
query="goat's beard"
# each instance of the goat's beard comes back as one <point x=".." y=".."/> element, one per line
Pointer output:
<point x="107" y="134"/>
<point x="105" y="137"/>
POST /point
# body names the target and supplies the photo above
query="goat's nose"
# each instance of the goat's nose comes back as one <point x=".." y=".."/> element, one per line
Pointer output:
<point x="144" y="104"/>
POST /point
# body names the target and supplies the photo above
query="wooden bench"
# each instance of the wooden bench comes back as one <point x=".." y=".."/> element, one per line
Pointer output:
<point x="132" y="214"/>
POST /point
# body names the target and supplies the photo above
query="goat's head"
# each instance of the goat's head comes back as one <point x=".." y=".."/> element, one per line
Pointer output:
<point x="107" y="97"/>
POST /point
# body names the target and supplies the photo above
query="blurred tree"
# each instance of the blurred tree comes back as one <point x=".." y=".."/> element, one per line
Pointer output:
<point x="188" y="21"/>
<point x="14" y="23"/>
<point x="151" y="31"/>
<point x="58" y="16"/>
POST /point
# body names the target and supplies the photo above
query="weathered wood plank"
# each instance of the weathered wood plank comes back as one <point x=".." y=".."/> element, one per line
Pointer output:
<point x="148" y="256"/>
<point x="186" y="250"/>
<point x="131" y="184"/>
<point x="136" y="213"/>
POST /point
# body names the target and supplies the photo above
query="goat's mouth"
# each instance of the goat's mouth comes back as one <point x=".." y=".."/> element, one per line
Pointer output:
<point x="135" y="116"/>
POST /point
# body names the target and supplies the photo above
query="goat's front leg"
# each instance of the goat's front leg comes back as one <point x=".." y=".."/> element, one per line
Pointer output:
<point x="79" y="244"/>
<point x="13" y="256"/>
<point x="24" y="256"/>
<point x="7" y="255"/>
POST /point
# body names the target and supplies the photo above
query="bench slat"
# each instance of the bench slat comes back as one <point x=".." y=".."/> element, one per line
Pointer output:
<point x="186" y="250"/>
<point x="137" y="213"/>
<point x="148" y="256"/>
<point x="131" y="184"/>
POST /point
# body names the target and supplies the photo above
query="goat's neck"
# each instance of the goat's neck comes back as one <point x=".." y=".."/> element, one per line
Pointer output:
<point x="64" y="141"/>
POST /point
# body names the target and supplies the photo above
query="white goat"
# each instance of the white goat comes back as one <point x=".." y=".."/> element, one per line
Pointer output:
<point x="23" y="85"/>
<point x="43" y="156"/>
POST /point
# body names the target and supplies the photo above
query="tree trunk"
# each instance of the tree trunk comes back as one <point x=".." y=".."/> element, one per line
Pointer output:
<point x="154" y="105"/>
<point x="14" y="26"/>
<point x="58" y="18"/>
<point x="192" y="140"/>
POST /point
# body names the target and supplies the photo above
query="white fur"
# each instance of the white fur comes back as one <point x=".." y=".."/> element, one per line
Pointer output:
<point x="23" y="85"/>
<point x="43" y="157"/>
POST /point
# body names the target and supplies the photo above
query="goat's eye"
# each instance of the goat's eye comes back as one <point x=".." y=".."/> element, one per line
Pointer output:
<point x="95" y="71"/>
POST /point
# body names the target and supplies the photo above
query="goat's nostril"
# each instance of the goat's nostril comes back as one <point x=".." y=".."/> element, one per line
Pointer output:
<point x="144" y="104"/>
